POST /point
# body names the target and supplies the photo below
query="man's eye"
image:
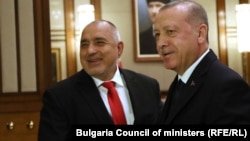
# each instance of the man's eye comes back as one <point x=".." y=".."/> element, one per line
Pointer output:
<point x="156" y="35"/>
<point x="170" y="32"/>
<point x="83" y="45"/>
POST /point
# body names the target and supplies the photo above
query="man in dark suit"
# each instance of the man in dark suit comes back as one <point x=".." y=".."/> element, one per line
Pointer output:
<point x="212" y="93"/>
<point x="81" y="99"/>
<point x="147" y="40"/>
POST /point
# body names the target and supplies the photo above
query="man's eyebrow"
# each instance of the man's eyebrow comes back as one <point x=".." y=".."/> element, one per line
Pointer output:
<point x="94" y="39"/>
<point x="100" y="38"/>
<point x="155" y="30"/>
<point x="84" y="40"/>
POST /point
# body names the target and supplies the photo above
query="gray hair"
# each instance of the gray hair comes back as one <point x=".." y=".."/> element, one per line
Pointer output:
<point x="196" y="13"/>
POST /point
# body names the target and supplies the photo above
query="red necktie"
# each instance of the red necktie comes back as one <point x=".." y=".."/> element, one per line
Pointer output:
<point x="115" y="104"/>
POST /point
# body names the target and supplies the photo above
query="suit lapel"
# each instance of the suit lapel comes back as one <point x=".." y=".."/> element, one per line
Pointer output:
<point x="134" y="92"/>
<point x="192" y="85"/>
<point x="187" y="92"/>
<point x="132" y="88"/>
<point x="92" y="95"/>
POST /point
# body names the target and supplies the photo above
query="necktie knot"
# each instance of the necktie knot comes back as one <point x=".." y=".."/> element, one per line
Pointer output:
<point x="179" y="84"/>
<point x="108" y="84"/>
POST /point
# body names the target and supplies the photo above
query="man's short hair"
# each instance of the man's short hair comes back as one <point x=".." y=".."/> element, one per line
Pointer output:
<point x="163" y="1"/>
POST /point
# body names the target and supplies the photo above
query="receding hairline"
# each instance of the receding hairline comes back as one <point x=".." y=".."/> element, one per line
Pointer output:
<point x="110" y="24"/>
<point x="103" y="21"/>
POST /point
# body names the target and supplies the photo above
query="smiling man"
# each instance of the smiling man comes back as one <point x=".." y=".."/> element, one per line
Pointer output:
<point x="83" y="98"/>
<point x="204" y="91"/>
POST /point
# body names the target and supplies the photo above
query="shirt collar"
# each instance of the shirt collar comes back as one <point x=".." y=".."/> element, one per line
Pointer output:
<point x="190" y="70"/>
<point x="117" y="78"/>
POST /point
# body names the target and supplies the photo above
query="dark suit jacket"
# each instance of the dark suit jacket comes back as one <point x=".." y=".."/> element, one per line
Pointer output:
<point x="214" y="94"/>
<point x="147" y="42"/>
<point x="76" y="100"/>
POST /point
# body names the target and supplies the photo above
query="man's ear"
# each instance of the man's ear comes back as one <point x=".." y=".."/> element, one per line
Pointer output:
<point x="120" y="47"/>
<point x="203" y="30"/>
